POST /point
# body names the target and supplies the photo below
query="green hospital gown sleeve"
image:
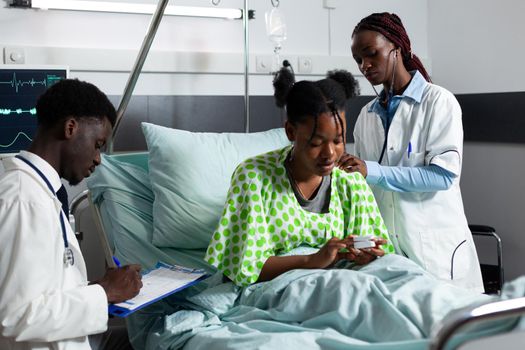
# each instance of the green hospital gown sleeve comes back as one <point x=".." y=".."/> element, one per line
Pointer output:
<point x="240" y="246"/>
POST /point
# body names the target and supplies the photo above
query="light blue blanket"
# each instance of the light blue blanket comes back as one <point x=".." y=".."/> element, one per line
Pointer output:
<point x="389" y="304"/>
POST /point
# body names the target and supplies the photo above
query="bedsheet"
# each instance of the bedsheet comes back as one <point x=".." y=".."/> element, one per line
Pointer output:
<point x="389" y="304"/>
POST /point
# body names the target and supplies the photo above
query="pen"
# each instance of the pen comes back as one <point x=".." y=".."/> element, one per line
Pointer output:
<point x="409" y="148"/>
<point x="117" y="262"/>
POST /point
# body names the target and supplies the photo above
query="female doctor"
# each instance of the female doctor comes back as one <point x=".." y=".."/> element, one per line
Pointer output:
<point x="411" y="140"/>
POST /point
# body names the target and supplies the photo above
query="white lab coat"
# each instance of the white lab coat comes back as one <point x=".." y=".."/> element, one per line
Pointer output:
<point x="428" y="227"/>
<point x="43" y="304"/>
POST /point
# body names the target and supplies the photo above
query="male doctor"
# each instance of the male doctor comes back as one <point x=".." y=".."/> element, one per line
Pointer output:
<point x="46" y="301"/>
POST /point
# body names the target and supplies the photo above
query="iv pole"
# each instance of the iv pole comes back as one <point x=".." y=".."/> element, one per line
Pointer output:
<point x="143" y="53"/>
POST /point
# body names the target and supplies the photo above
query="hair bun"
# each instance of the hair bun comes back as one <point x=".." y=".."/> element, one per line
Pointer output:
<point x="346" y="80"/>
<point x="283" y="82"/>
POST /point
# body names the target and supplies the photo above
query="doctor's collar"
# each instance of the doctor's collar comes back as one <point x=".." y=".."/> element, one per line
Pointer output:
<point x="414" y="90"/>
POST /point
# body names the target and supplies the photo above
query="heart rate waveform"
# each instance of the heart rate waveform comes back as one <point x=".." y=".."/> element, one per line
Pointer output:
<point x="8" y="111"/>
<point x="20" y="88"/>
<point x="20" y="134"/>
<point x="15" y="83"/>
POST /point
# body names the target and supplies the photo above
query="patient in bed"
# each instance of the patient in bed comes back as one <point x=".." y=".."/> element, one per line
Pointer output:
<point x="289" y="215"/>
<point x="296" y="196"/>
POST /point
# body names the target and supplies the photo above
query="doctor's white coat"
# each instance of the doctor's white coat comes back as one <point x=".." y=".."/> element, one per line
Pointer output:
<point x="427" y="227"/>
<point x="43" y="304"/>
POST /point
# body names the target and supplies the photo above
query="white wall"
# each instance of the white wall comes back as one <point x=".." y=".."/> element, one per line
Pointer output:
<point x="475" y="47"/>
<point x="101" y="51"/>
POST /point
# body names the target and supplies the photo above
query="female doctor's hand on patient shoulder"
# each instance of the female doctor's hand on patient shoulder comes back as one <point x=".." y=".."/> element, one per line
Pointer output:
<point x="351" y="164"/>
<point x="122" y="283"/>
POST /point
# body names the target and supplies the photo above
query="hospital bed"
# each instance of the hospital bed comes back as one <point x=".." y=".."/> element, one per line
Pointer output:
<point x="122" y="197"/>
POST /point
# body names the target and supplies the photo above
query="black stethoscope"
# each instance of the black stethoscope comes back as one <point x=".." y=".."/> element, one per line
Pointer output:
<point x="389" y="96"/>
<point x="69" y="258"/>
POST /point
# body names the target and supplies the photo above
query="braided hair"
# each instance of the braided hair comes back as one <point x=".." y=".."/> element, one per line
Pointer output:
<point x="309" y="99"/>
<point x="391" y="27"/>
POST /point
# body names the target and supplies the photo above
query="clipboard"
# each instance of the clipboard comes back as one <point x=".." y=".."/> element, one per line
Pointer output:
<point x="159" y="283"/>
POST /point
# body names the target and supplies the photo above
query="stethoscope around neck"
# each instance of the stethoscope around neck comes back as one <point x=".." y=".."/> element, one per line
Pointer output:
<point x="69" y="258"/>
<point x="388" y="96"/>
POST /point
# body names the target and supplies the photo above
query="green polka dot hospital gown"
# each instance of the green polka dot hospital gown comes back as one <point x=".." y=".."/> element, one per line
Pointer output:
<point x="262" y="217"/>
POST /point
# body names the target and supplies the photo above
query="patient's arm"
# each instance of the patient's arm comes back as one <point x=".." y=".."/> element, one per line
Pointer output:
<point x="326" y="256"/>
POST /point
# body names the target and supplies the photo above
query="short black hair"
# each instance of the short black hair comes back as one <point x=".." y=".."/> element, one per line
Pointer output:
<point x="73" y="98"/>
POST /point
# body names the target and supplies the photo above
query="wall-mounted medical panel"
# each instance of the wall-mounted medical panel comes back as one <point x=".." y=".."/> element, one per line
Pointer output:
<point x="486" y="117"/>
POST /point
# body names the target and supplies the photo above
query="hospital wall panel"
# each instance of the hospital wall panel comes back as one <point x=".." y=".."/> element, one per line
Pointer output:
<point x="198" y="113"/>
<point x="206" y="114"/>
<point x="486" y="117"/>
<point x="494" y="117"/>
<point x="129" y="136"/>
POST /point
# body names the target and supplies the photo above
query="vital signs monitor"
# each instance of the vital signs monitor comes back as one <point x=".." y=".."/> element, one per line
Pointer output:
<point x="20" y="86"/>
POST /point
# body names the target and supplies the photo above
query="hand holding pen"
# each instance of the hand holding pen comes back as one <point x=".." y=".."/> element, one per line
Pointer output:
<point x="121" y="283"/>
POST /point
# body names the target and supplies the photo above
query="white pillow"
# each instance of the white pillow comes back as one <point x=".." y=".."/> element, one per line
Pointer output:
<point x="190" y="175"/>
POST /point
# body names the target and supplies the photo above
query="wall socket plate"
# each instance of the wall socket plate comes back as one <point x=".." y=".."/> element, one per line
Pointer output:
<point x="14" y="55"/>
<point x="305" y="64"/>
<point x="263" y="63"/>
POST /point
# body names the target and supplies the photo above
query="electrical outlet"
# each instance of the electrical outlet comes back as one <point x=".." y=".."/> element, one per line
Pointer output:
<point x="305" y="64"/>
<point x="14" y="55"/>
<point x="263" y="64"/>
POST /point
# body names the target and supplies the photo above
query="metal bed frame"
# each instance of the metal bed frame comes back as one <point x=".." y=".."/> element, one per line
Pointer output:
<point x="491" y="311"/>
<point x="493" y="275"/>
<point x="445" y="331"/>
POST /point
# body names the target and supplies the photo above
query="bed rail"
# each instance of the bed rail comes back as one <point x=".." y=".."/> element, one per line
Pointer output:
<point x="74" y="205"/>
<point x="491" y="311"/>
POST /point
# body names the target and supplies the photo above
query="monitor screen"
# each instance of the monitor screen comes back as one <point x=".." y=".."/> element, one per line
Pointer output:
<point x="20" y="86"/>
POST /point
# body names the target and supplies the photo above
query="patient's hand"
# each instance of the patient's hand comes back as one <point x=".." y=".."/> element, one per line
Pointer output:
<point x="122" y="283"/>
<point x="327" y="255"/>
<point x="366" y="255"/>
<point x="351" y="164"/>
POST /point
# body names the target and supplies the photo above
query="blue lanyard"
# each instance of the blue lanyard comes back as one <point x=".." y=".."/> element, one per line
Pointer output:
<point x="68" y="254"/>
